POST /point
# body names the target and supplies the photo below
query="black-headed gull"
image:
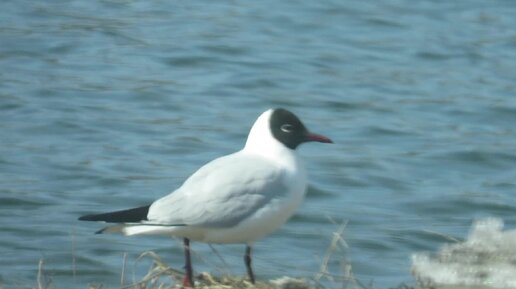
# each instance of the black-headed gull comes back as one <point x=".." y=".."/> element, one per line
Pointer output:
<point x="238" y="198"/>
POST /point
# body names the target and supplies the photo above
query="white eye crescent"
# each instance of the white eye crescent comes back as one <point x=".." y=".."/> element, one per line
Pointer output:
<point x="288" y="128"/>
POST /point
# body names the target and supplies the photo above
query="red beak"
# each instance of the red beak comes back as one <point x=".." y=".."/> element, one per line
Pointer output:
<point x="317" y="138"/>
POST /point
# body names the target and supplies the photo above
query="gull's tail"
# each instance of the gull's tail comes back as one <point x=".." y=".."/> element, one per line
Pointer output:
<point x="130" y="222"/>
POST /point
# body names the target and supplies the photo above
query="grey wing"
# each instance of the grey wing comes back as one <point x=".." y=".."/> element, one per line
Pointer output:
<point x="222" y="193"/>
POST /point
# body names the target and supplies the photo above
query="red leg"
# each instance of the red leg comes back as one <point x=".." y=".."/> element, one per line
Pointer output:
<point x="247" y="260"/>
<point x="188" y="279"/>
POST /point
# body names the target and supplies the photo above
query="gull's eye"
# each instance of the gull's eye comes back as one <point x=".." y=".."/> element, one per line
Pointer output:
<point x="288" y="128"/>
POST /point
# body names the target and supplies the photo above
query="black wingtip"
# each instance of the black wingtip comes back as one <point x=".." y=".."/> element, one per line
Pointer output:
<point x="86" y="218"/>
<point x="125" y="216"/>
<point x="100" y="231"/>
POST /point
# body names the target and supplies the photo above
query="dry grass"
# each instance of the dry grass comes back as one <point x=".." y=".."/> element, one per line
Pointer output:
<point x="162" y="276"/>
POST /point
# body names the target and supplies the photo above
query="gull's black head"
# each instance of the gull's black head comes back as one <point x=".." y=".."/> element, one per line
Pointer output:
<point x="290" y="131"/>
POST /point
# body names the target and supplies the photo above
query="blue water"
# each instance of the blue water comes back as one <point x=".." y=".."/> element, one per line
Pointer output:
<point x="109" y="104"/>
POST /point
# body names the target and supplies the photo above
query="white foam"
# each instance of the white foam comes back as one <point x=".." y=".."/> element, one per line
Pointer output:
<point x="487" y="259"/>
